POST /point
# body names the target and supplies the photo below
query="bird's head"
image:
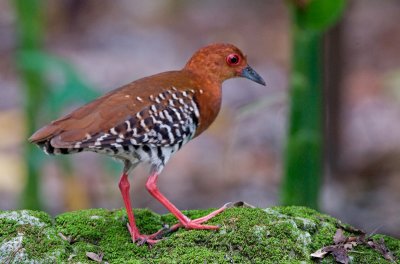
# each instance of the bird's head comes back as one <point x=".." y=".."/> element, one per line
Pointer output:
<point x="219" y="62"/>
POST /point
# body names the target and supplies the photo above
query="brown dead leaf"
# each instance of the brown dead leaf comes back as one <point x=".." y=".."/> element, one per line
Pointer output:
<point x="349" y="245"/>
<point x="381" y="248"/>
<point x="350" y="229"/>
<point x="320" y="253"/>
<point x="95" y="257"/>
<point x="339" y="237"/>
<point x="343" y="244"/>
<point x="241" y="204"/>
<point x="340" y="255"/>
<point x="338" y="252"/>
<point x="69" y="239"/>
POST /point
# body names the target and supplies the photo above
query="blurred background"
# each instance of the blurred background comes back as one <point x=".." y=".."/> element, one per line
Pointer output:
<point x="57" y="55"/>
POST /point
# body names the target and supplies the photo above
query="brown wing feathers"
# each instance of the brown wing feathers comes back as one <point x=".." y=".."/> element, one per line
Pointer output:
<point x="159" y="119"/>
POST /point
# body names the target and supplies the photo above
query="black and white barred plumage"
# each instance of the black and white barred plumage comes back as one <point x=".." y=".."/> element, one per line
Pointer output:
<point x="152" y="134"/>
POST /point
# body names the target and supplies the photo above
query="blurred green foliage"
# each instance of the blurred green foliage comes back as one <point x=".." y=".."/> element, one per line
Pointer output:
<point x="49" y="84"/>
<point x="30" y="24"/>
<point x="303" y="166"/>
<point x="64" y="84"/>
<point x="317" y="15"/>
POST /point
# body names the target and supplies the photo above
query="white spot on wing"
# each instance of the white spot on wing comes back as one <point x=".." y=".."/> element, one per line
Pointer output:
<point x="162" y="114"/>
<point x="177" y="113"/>
<point x="112" y="131"/>
<point x="128" y="126"/>
<point x="196" y="110"/>
<point x="142" y="124"/>
<point x="167" y="115"/>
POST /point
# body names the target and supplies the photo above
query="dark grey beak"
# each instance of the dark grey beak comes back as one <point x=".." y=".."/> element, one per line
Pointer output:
<point x="251" y="74"/>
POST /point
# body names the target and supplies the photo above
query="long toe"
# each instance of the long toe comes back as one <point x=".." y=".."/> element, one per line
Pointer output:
<point x="193" y="225"/>
<point x="160" y="233"/>
<point x="210" y="215"/>
<point x="142" y="240"/>
<point x="196" y="223"/>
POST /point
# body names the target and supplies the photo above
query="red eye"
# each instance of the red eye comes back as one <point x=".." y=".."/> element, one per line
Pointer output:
<point x="233" y="59"/>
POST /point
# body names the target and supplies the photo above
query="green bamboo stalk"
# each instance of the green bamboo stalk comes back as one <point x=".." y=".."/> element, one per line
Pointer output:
<point x="30" y="25"/>
<point x="304" y="144"/>
<point x="34" y="64"/>
<point x="303" y="166"/>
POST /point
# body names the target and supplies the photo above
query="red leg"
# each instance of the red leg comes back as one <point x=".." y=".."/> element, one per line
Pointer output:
<point x="124" y="187"/>
<point x="151" y="186"/>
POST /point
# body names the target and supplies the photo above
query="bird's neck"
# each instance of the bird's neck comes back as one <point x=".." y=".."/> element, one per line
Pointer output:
<point x="208" y="97"/>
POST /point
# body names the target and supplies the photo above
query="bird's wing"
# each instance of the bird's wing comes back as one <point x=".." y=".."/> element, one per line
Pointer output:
<point x="89" y="119"/>
<point x="163" y="119"/>
<point x="155" y="125"/>
<point x="131" y="103"/>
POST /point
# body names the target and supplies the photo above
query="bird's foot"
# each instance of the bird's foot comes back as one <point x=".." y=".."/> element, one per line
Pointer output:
<point x="140" y="239"/>
<point x="193" y="224"/>
<point x="143" y="239"/>
<point x="152" y="239"/>
<point x="197" y="223"/>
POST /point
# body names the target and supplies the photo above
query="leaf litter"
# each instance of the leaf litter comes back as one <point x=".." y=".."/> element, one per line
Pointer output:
<point x="343" y="244"/>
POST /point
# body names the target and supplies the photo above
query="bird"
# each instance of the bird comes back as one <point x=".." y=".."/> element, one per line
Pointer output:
<point x="150" y="119"/>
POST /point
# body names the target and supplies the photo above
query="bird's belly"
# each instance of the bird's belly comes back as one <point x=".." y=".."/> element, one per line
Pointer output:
<point x="156" y="156"/>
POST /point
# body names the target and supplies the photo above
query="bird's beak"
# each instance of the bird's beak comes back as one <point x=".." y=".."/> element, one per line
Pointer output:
<point x="251" y="74"/>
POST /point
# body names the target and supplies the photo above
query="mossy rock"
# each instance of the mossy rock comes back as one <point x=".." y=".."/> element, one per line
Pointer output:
<point x="247" y="235"/>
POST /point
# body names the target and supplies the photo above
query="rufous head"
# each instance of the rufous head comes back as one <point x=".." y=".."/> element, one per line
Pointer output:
<point x="219" y="62"/>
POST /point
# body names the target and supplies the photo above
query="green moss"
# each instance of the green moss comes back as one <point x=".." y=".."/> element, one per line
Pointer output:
<point x="29" y="236"/>
<point x="391" y="243"/>
<point x="273" y="235"/>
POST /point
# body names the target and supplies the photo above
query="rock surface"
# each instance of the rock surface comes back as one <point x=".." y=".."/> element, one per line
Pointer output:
<point x="247" y="235"/>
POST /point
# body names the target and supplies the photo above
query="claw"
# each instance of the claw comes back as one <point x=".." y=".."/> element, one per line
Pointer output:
<point x="227" y="205"/>
<point x="140" y="240"/>
<point x="143" y="240"/>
